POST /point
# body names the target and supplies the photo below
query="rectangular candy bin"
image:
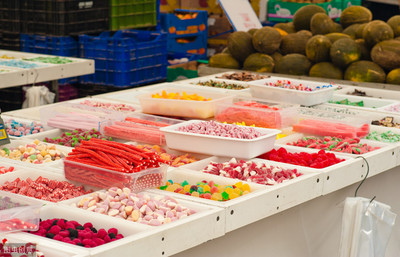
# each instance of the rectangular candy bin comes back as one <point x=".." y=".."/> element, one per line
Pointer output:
<point x="220" y="146"/>
<point x="25" y="127"/>
<point x="18" y="214"/>
<point x="182" y="108"/>
<point x="104" y="178"/>
<point x="72" y="116"/>
<point x="263" y="89"/>
<point x="359" y="102"/>
<point x="219" y="85"/>
<point x="140" y="127"/>
<point x="258" y="112"/>
<point x="98" y="221"/>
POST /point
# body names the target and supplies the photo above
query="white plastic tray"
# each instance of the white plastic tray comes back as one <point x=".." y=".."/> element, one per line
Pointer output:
<point x="261" y="90"/>
<point x="182" y="108"/>
<point x="371" y="92"/>
<point x="106" y="101"/>
<point x="194" y="82"/>
<point x="20" y="120"/>
<point x="295" y="137"/>
<point x="17" y="142"/>
<point x="220" y="146"/>
<point x="369" y="103"/>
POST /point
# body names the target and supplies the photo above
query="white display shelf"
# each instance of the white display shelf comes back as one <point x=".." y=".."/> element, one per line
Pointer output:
<point x="370" y="92"/>
<point x="261" y="202"/>
<point x="242" y="216"/>
<point x="207" y="223"/>
<point x="44" y="72"/>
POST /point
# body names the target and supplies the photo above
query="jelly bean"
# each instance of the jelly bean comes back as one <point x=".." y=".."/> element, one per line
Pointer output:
<point x="14" y="128"/>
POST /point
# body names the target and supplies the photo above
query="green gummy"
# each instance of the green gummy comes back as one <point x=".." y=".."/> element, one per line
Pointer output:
<point x="33" y="157"/>
<point x="170" y="181"/>
<point x="163" y="187"/>
<point x="225" y="195"/>
<point x="68" y="133"/>
<point x="200" y="190"/>
<point x="184" y="183"/>
<point x="6" y="150"/>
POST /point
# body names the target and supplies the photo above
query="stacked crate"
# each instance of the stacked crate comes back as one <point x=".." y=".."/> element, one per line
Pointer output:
<point x="10" y="23"/>
<point x="187" y="31"/>
<point x="127" y="58"/>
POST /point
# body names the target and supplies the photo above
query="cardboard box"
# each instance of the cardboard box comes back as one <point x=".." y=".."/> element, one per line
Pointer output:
<point x="211" y="6"/>
<point x="219" y="27"/>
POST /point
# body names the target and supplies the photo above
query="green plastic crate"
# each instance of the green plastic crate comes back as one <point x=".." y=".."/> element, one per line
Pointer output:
<point x="129" y="14"/>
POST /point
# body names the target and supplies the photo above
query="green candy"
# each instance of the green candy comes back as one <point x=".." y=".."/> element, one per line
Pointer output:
<point x="163" y="187"/>
<point x="6" y="150"/>
<point x="225" y="195"/>
<point x="33" y="157"/>
<point x="184" y="183"/>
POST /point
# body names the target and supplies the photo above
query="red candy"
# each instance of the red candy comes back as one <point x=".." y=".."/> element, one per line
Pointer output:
<point x="318" y="160"/>
<point x="260" y="173"/>
<point x="75" y="235"/>
<point x="44" y="189"/>
<point x="4" y="170"/>
<point x="16" y="224"/>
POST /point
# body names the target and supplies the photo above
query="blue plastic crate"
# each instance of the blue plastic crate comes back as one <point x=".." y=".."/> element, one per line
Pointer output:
<point x="175" y="26"/>
<point x="53" y="45"/>
<point x="196" y="44"/>
<point x="128" y="58"/>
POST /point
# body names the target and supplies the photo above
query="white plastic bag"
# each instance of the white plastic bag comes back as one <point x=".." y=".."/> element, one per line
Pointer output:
<point x="38" y="95"/>
<point x="366" y="228"/>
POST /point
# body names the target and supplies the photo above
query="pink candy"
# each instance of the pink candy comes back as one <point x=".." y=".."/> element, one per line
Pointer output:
<point x="141" y="208"/>
<point x="260" y="173"/>
<point x="213" y="128"/>
<point x="110" y="106"/>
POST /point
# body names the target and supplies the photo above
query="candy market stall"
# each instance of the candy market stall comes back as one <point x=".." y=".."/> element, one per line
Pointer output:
<point x="165" y="170"/>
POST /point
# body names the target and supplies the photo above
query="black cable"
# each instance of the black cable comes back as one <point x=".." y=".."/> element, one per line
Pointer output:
<point x="366" y="175"/>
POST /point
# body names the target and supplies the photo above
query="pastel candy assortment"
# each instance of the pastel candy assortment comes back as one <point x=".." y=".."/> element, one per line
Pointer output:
<point x="19" y="64"/>
<point x="287" y="84"/>
<point x="393" y="108"/>
<point x="72" y="232"/>
<point x="52" y="60"/>
<point x="36" y="153"/>
<point x="336" y="144"/>
<point x="142" y="208"/>
<point x="318" y="160"/>
<point x="208" y="189"/>
<point x="213" y="128"/>
<point x="44" y="189"/>
<point x="257" y="172"/>
<point x="19" y="129"/>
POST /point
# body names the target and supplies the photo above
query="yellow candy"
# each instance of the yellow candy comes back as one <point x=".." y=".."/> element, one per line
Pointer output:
<point x="233" y="195"/>
<point x="206" y="188"/>
<point x="186" y="188"/>
<point x="246" y="187"/>
<point x="184" y="96"/>
<point x="221" y="188"/>
<point x="237" y="191"/>
<point x="167" y="184"/>
<point x="229" y="190"/>
<point x="216" y="197"/>
<point x="195" y="194"/>
<point x="239" y="184"/>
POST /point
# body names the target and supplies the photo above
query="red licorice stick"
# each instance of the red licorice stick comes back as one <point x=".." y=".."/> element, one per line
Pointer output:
<point x="134" y="125"/>
<point x="78" y="155"/>
<point x="118" y="145"/>
<point x="147" y="122"/>
<point x="98" y="165"/>
<point x="124" y="163"/>
<point x="133" y="158"/>
<point x="125" y="147"/>
<point x="97" y="156"/>
<point x="106" y="156"/>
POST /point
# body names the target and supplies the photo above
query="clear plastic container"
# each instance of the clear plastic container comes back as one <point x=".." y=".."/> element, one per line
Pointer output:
<point x="261" y="89"/>
<point x="141" y="128"/>
<point x="182" y="108"/>
<point x="72" y="116"/>
<point x="220" y="146"/>
<point x="26" y="122"/>
<point x="238" y="112"/>
<point x="24" y="217"/>
<point x="104" y="178"/>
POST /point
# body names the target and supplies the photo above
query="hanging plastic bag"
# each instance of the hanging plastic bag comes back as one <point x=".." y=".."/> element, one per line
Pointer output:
<point x="38" y="95"/>
<point x="366" y="228"/>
